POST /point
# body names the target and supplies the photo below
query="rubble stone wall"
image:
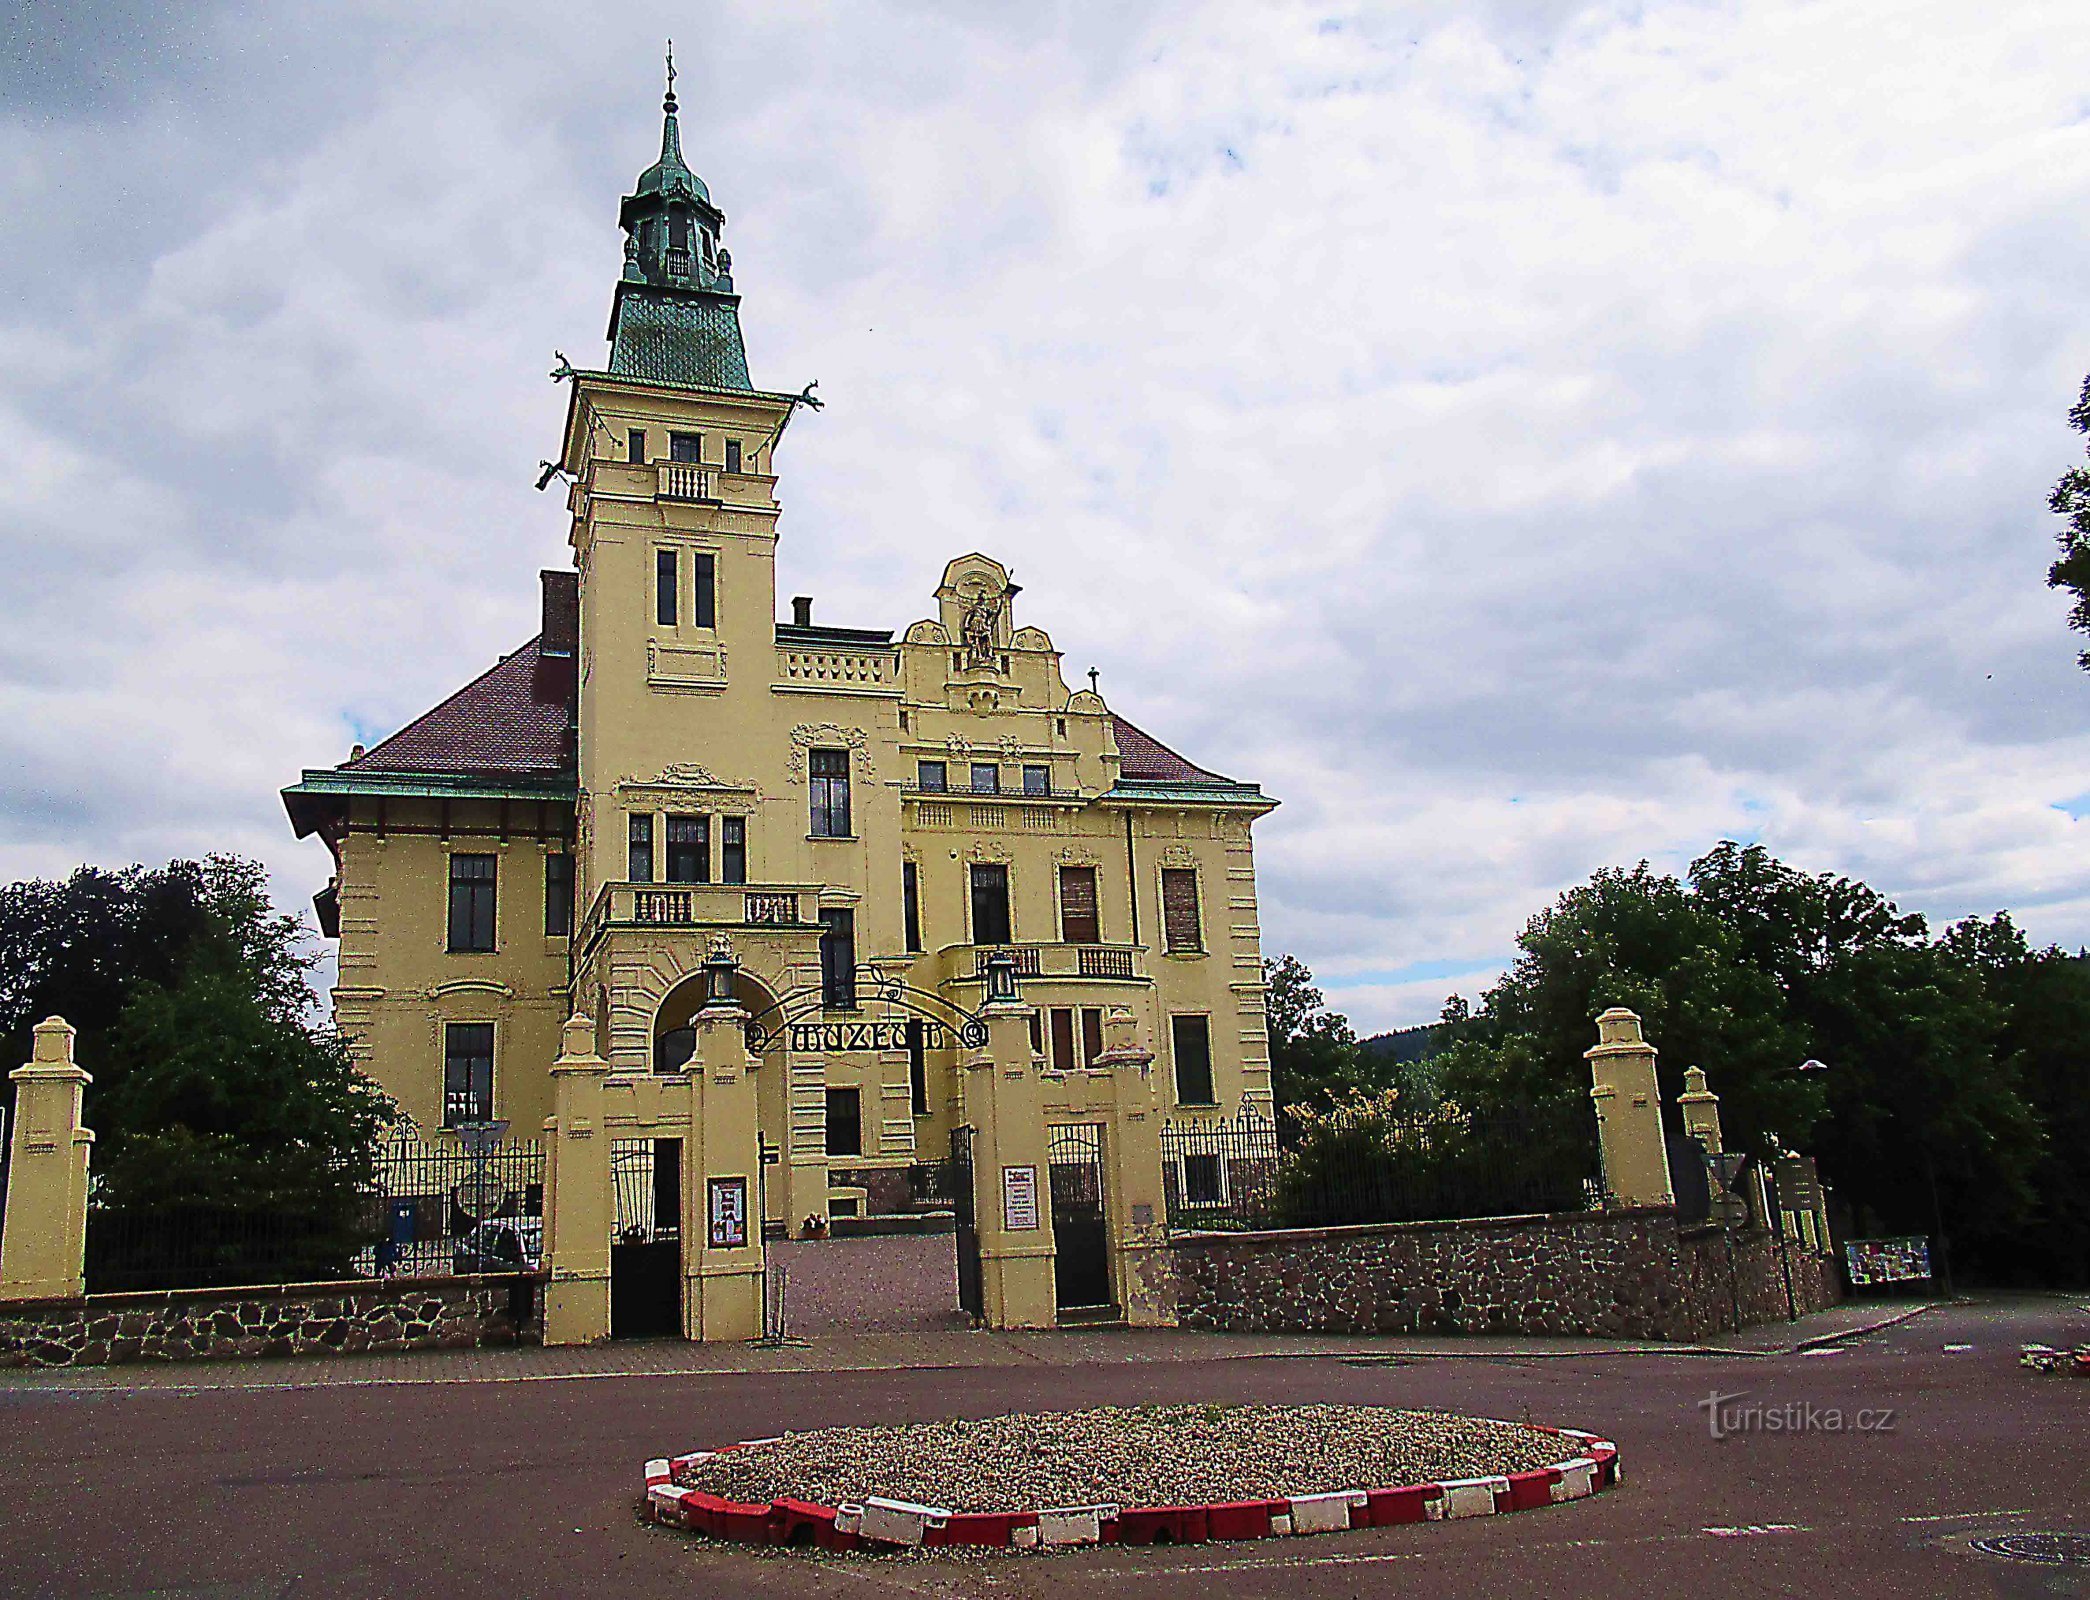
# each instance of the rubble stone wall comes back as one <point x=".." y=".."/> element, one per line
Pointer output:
<point x="312" y="1319"/>
<point x="1629" y="1274"/>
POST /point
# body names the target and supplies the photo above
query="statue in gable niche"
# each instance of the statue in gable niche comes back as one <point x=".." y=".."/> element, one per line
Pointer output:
<point x="982" y="620"/>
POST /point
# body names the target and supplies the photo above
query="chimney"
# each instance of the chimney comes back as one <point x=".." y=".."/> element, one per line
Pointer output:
<point x="802" y="611"/>
<point x="562" y="613"/>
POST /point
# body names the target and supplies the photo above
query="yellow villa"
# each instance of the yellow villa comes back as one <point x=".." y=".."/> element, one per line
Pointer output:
<point x="868" y="815"/>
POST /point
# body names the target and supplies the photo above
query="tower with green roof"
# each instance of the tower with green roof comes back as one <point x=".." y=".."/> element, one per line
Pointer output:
<point x="675" y="318"/>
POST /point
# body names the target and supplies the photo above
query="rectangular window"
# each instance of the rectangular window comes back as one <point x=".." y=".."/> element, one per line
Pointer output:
<point x="1192" y="1038"/>
<point x="689" y="849"/>
<point x="635" y="445"/>
<point x="732" y="850"/>
<point x="990" y="902"/>
<point x="828" y="773"/>
<point x="1091" y="1034"/>
<point x="932" y="776"/>
<point x="838" y="958"/>
<point x="986" y="778"/>
<point x="467" y="1073"/>
<point x="1204" y="1180"/>
<point x="1062" y="1039"/>
<point x="1179" y="920"/>
<point x="1037" y="1033"/>
<point x="471" y="902"/>
<point x="917" y="1067"/>
<point x="1037" y="780"/>
<point x="911" y="904"/>
<point x="703" y="589"/>
<point x="558" y="896"/>
<point x="1078" y="919"/>
<point x="664" y="588"/>
<point x="685" y="447"/>
<point x="732" y="452"/>
<point x="845" y="1122"/>
<point x="638" y="866"/>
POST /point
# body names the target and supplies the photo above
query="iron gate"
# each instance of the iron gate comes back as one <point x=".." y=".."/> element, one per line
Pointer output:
<point x="1081" y="1236"/>
<point x="646" y="1250"/>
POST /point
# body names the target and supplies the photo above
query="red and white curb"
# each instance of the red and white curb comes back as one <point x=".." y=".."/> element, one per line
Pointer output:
<point x="878" y="1523"/>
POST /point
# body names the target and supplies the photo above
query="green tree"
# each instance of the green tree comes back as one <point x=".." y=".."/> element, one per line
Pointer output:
<point x="1635" y="938"/>
<point x="1314" y="1057"/>
<point x="215" y="1092"/>
<point x="2071" y="499"/>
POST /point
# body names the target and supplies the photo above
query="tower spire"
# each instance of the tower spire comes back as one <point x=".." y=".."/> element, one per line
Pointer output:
<point x="668" y="103"/>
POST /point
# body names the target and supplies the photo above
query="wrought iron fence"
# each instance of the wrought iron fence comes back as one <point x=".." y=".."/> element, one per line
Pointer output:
<point x="1420" y="1166"/>
<point x="432" y="1211"/>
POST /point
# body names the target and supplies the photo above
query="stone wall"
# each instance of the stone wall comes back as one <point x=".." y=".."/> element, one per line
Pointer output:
<point x="311" y="1319"/>
<point x="1627" y="1273"/>
<point x="1736" y="1280"/>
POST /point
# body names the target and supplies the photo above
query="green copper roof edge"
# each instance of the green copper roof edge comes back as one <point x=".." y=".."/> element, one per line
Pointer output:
<point x="693" y="388"/>
<point x="430" y="785"/>
<point x="1220" y="794"/>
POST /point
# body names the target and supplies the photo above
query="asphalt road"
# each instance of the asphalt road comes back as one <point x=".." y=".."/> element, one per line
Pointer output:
<point x="516" y="1489"/>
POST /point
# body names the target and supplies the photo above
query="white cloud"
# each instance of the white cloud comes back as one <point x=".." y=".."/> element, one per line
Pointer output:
<point x="1526" y="438"/>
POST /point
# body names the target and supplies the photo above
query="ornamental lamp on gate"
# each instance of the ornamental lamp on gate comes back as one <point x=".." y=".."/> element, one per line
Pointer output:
<point x="1001" y="979"/>
<point x="721" y="976"/>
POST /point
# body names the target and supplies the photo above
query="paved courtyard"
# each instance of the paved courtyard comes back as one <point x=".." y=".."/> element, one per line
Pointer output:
<point x="437" y="1477"/>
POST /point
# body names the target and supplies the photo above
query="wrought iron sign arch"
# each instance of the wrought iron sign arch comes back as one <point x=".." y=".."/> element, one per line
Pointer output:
<point x="798" y="1018"/>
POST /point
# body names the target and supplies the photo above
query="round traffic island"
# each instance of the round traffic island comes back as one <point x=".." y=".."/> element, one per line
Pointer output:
<point x="1124" y="1475"/>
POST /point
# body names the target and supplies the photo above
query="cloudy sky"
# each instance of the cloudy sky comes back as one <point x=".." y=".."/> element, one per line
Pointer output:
<point x="1524" y="437"/>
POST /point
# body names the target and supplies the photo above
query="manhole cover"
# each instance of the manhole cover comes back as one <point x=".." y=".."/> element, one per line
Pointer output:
<point x="2048" y="1549"/>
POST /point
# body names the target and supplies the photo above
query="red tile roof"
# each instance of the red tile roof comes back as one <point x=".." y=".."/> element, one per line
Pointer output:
<point x="515" y="719"/>
<point x="1143" y="758"/>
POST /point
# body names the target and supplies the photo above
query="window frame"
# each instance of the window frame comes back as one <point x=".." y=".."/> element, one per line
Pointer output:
<point x="703" y="589"/>
<point x="667" y="587"/>
<point x="993" y="783"/>
<point x="695" y="849"/>
<point x="911" y="906"/>
<point x="1064" y="1025"/>
<point x="1170" y="945"/>
<point x="974" y="872"/>
<point x="733" y="448"/>
<point x="635" y="446"/>
<point x="942" y="769"/>
<point x="469" y="1093"/>
<point x="828" y="794"/>
<point x="1095" y="909"/>
<point x="1044" y="776"/>
<point x="732" y="850"/>
<point x="839" y="1094"/>
<point x="1224" y="1188"/>
<point x="558" y="894"/>
<point x="680" y="440"/>
<point x="474" y="887"/>
<point x="638" y="835"/>
<point x="837" y="958"/>
<point x="1203" y="1021"/>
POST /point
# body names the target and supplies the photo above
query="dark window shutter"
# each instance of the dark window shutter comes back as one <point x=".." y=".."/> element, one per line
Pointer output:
<point x="1192" y="1038"/>
<point x="1078" y="920"/>
<point x="1179" y="919"/>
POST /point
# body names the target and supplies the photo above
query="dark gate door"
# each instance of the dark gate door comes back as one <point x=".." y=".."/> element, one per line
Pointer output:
<point x="1081" y="1238"/>
<point x="646" y="1254"/>
<point x="967" y="1226"/>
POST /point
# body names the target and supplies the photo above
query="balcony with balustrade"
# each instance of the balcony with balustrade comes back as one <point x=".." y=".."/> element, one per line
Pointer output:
<point x="1081" y="966"/>
<point x="741" y="907"/>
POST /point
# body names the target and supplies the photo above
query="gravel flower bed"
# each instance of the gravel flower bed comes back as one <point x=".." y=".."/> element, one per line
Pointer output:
<point x="1126" y="1455"/>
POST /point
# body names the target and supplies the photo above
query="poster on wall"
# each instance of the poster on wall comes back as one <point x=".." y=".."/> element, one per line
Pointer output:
<point x="1019" y="1198"/>
<point x="1876" y="1261"/>
<point x="728" y="1213"/>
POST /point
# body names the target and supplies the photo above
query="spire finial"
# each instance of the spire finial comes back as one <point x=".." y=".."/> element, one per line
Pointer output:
<point x="668" y="104"/>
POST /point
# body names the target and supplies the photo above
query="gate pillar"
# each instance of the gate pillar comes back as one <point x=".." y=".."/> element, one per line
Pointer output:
<point x="721" y="1221"/>
<point x="44" y="1253"/>
<point x="1143" y="1269"/>
<point x="579" y="1207"/>
<point x="1012" y="1194"/>
<point x="1629" y="1113"/>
